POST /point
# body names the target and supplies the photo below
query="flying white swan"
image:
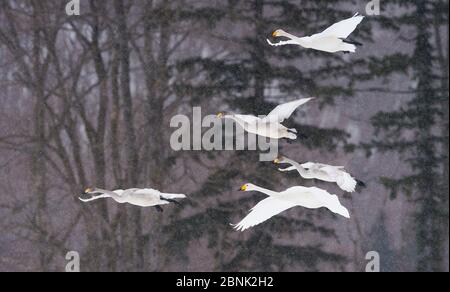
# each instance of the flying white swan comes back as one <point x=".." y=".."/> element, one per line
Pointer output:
<point x="137" y="197"/>
<point x="270" y="126"/>
<point x="311" y="198"/>
<point x="332" y="40"/>
<point x="328" y="173"/>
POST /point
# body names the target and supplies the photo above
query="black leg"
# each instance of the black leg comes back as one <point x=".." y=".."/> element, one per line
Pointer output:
<point x="159" y="209"/>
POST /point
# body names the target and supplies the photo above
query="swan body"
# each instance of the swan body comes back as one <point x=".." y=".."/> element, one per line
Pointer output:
<point x="278" y="202"/>
<point x="331" y="40"/>
<point x="323" y="172"/>
<point x="135" y="196"/>
<point x="270" y="126"/>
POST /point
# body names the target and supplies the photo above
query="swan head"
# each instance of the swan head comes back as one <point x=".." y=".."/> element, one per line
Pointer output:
<point x="90" y="190"/>
<point x="279" y="33"/>
<point x="279" y="160"/>
<point x="247" y="188"/>
<point x="222" y="115"/>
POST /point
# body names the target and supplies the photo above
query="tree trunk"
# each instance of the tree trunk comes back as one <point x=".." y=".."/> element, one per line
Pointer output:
<point x="130" y="136"/>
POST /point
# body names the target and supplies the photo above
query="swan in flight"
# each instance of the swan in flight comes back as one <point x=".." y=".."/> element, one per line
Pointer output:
<point x="328" y="173"/>
<point x="269" y="126"/>
<point x="137" y="197"/>
<point x="332" y="40"/>
<point x="311" y="198"/>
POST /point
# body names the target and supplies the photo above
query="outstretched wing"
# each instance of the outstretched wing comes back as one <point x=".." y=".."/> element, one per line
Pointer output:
<point x="146" y="193"/>
<point x="172" y="196"/>
<point x="308" y="165"/>
<point x="263" y="211"/>
<point x="284" y="111"/>
<point x="156" y="193"/>
<point x="343" y="28"/>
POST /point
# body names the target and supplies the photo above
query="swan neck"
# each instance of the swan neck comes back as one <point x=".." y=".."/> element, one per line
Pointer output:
<point x="303" y="172"/>
<point x="237" y="120"/>
<point x="291" y="36"/>
<point x="111" y="193"/>
<point x="302" y="41"/>
<point x="265" y="191"/>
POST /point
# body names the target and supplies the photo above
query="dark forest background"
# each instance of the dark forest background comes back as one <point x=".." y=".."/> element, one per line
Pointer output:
<point x="87" y="101"/>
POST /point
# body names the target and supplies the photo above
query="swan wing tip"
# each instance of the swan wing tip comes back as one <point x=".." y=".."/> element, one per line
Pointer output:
<point x="238" y="227"/>
<point x="345" y="213"/>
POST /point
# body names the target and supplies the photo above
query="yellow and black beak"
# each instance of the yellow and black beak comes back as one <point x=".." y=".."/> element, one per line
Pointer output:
<point x="276" y="161"/>
<point x="88" y="190"/>
<point x="243" y="188"/>
<point x="275" y="34"/>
